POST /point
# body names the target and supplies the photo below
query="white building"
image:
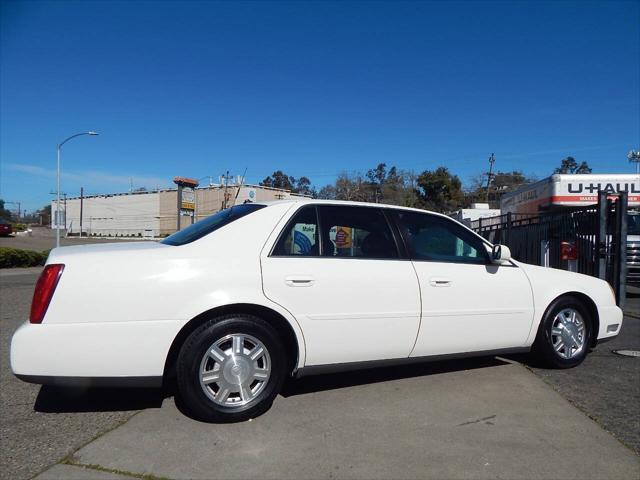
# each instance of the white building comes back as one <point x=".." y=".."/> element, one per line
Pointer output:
<point x="477" y="210"/>
<point x="152" y="213"/>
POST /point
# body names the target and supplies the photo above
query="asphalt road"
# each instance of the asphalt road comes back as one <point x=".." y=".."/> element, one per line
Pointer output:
<point x="607" y="386"/>
<point x="40" y="426"/>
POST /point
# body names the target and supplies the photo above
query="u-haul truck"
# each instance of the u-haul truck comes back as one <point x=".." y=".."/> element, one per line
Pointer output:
<point x="560" y="191"/>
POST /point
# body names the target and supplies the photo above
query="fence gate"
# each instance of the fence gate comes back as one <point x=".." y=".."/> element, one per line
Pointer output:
<point x="590" y="240"/>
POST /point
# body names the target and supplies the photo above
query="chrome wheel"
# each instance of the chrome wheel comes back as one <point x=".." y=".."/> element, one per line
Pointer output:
<point x="568" y="333"/>
<point x="235" y="369"/>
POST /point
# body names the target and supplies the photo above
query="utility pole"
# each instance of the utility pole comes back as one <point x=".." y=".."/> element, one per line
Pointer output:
<point x="81" y="202"/>
<point x="65" y="214"/>
<point x="634" y="157"/>
<point x="226" y="185"/>
<point x="492" y="160"/>
<point x="19" y="204"/>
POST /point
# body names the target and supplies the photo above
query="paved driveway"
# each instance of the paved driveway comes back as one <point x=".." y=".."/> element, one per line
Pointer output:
<point x="495" y="421"/>
<point x="481" y="418"/>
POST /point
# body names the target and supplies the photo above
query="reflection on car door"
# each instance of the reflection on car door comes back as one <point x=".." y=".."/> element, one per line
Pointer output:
<point x="339" y="272"/>
<point x="468" y="303"/>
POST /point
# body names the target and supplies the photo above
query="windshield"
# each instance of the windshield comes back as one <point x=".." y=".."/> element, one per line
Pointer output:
<point x="633" y="224"/>
<point x="210" y="224"/>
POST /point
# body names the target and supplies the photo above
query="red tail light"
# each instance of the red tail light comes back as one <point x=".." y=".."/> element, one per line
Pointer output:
<point x="44" y="291"/>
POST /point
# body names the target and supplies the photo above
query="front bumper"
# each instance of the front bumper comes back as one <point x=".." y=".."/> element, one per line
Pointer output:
<point x="610" y="322"/>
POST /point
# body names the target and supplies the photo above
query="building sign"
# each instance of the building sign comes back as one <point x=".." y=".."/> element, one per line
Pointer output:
<point x="186" y="198"/>
<point x="188" y="201"/>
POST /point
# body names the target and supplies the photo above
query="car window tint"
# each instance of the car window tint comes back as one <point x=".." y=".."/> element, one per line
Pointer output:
<point x="360" y="232"/>
<point x="299" y="237"/>
<point x="435" y="238"/>
<point x="210" y="224"/>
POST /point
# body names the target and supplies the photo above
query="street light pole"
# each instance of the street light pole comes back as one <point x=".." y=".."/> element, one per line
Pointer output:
<point x="57" y="216"/>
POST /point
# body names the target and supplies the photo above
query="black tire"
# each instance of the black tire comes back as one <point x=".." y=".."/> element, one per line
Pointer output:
<point x="192" y="393"/>
<point x="543" y="348"/>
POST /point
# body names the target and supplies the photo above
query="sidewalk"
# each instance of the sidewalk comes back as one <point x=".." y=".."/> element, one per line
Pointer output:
<point x="497" y="421"/>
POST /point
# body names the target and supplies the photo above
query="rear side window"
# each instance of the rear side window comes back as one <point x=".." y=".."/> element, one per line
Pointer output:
<point x="439" y="239"/>
<point x="211" y="224"/>
<point x="356" y="232"/>
<point x="300" y="236"/>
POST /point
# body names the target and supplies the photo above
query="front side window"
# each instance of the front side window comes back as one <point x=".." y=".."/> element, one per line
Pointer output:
<point x="299" y="237"/>
<point x="439" y="239"/>
<point x="357" y="232"/>
<point x="210" y="224"/>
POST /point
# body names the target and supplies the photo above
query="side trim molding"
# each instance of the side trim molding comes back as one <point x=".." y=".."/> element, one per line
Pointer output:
<point x="345" y="367"/>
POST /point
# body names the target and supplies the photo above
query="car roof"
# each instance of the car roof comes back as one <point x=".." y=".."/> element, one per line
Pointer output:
<point x="315" y="201"/>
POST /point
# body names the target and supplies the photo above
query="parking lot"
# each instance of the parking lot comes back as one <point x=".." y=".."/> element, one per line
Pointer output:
<point x="478" y="418"/>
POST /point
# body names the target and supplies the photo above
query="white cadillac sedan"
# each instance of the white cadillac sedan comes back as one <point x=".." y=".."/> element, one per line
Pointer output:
<point x="235" y="303"/>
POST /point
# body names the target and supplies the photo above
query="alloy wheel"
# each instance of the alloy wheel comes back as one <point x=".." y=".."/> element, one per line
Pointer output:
<point x="568" y="333"/>
<point x="234" y="370"/>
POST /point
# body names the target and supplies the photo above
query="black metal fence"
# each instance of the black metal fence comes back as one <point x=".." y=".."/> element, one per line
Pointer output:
<point x="589" y="240"/>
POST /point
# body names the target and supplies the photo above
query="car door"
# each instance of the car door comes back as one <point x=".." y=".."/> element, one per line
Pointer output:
<point x="338" y="270"/>
<point x="468" y="303"/>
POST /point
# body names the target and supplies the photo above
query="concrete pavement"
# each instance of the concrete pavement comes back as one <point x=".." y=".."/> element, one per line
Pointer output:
<point x="499" y="421"/>
<point x="434" y="420"/>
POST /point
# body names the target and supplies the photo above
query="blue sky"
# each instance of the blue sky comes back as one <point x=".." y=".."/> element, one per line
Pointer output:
<point x="312" y="88"/>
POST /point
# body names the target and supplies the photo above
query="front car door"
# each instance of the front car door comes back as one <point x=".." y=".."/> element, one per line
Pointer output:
<point x="339" y="271"/>
<point x="468" y="303"/>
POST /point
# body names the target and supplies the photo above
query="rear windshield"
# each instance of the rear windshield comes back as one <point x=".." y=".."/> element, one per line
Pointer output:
<point x="210" y="224"/>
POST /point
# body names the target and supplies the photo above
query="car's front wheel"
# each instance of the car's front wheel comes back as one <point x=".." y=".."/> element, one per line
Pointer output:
<point x="564" y="334"/>
<point x="230" y="369"/>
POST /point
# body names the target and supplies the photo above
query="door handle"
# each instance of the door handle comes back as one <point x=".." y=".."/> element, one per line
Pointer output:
<point x="440" y="282"/>
<point x="299" y="281"/>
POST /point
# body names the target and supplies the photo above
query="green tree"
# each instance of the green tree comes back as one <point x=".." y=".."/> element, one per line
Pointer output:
<point x="4" y="213"/>
<point x="304" y="187"/>
<point x="501" y="183"/>
<point x="439" y="190"/>
<point x="279" y="179"/>
<point x="569" y="165"/>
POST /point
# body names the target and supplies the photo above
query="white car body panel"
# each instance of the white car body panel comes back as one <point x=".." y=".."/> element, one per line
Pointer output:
<point x="376" y="302"/>
<point x="118" y="307"/>
<point x="549" y="283"/>
<point x="468" y="307"/>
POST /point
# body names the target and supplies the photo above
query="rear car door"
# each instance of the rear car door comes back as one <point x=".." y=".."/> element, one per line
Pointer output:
<point x="339" y="271"/>
<point x="468" y="303"/>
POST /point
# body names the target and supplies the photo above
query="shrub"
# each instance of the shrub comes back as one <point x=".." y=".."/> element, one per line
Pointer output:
<point x="15" y="257"/>
<point x="18" y="227"/>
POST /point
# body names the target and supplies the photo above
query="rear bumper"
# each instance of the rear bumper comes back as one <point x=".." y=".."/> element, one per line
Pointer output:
<point x="85" y="382"/>
<point x="610" y="322"/>
<point x="93" y="354"/>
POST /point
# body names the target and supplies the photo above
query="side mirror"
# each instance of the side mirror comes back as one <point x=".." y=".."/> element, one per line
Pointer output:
<point x="500" y="254"/>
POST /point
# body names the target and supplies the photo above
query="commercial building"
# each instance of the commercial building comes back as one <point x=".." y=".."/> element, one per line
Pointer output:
<point x="151" y="213"/>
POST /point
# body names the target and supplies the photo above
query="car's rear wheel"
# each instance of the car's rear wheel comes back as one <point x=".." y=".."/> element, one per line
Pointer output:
<point x="564" y="334"/>
<point x="231" y="368"/>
